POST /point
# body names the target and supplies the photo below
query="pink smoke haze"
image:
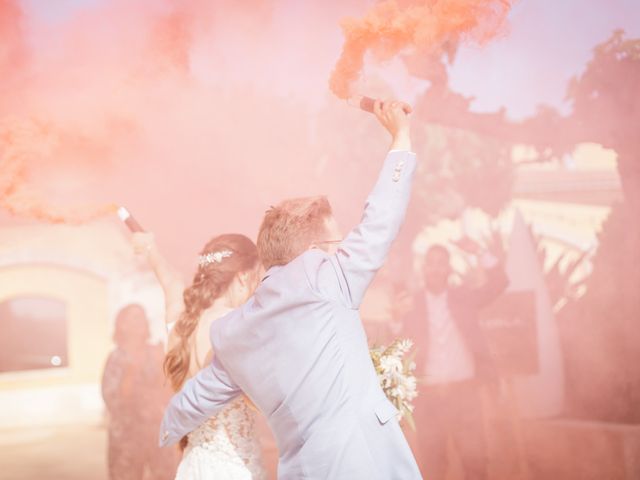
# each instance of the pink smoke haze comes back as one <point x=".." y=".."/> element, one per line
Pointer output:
<point x="179" y="110"/>
<point x="198" y="115"/>
<point x="194" y="113"/>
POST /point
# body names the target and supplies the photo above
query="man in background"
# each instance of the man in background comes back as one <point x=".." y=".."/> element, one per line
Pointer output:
<point x="452" y="361"/>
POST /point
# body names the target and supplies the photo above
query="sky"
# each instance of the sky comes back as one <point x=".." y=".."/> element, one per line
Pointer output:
<point x="545" y="43"/>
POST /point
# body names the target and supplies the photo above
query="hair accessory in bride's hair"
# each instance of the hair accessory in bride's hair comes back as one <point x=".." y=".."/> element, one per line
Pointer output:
<point x="214" y="257"/>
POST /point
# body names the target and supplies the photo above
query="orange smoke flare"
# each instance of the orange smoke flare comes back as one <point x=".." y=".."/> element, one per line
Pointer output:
<point x="23" y="145"/>
<point x="423" y="25"/>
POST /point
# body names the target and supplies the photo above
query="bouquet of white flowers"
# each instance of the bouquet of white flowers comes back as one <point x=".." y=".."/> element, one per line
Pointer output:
<point x="395" y="372"/>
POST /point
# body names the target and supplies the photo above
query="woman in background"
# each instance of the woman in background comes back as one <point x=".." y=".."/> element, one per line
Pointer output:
<point x="132" y="388"/>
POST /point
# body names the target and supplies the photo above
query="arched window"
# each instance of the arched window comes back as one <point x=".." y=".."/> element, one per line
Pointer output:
<point x="33" y="334"/>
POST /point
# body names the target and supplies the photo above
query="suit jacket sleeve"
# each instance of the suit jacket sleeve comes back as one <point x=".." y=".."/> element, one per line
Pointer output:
<point x="201" y="397"/>
<point x="364" y="250"/>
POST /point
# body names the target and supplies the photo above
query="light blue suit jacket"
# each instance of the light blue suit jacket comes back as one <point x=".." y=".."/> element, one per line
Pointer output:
<point x="298" y="350"/>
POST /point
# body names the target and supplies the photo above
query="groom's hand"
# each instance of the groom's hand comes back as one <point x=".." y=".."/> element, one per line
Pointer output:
<point x="394" y="116"/>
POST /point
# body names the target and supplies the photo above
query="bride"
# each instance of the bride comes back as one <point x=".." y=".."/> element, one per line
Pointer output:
<point x="226" y="446"/>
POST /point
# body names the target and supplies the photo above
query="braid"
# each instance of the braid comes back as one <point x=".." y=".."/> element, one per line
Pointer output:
<point x="209" y="283"/>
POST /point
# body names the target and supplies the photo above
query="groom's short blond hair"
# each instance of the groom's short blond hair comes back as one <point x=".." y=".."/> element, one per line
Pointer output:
<point x="290" y="227"/>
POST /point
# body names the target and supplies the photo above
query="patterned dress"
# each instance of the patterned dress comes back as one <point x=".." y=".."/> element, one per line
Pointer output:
<point x="134" y="420"/>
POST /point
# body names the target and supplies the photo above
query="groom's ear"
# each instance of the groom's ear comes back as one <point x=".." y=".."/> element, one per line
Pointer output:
<point x="243" y="278"/>
<point x="247" y="278"/>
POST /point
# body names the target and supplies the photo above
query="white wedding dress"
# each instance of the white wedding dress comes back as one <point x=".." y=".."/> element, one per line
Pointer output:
<point x="226" y="447"/>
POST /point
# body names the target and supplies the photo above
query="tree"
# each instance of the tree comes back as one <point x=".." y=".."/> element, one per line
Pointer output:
<point x="601" y="339"/>
<point x="606" y="107"/>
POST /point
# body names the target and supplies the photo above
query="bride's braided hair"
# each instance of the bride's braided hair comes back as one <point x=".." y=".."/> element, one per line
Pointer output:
<point x="211" y="280"/>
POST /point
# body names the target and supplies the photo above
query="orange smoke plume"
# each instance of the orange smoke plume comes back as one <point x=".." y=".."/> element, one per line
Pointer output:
<point x="27" y="145"/>
<point x="11" y="39"/>
<point x="77" y="132"/>
<point x="421" y="25"/>
<point x="24" y="146"/>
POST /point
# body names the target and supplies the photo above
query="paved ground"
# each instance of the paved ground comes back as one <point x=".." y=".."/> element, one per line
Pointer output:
<point x="75" y="452"/>
<point x="78" y="452"/>
<point x="69" y="453"/>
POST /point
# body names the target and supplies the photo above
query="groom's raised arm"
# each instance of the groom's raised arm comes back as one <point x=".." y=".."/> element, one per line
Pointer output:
<point x="200" y="398"/>
<point x="364" y="250"/>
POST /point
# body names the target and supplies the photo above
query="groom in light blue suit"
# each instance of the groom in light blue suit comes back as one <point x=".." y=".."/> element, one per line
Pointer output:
<point x="298" y="349"/>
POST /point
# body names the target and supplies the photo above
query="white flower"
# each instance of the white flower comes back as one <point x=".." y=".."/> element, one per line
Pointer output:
<point x="409" y="386"/>
<point x="391" y="364"/>
<point x="395" y="375"/>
